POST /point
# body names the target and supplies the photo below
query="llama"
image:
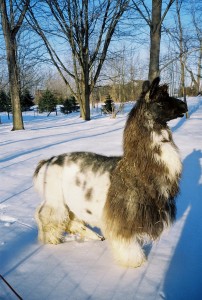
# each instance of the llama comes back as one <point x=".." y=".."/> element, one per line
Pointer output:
<point x="131" y="197"/>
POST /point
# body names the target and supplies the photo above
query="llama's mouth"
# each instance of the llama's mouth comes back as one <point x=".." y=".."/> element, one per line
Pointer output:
<point x="182" y="113"/>
<point x="182" y="109"/>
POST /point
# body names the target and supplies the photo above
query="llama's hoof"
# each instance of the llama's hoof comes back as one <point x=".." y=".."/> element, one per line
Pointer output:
<point x="131" y="263"/>
<point x="129" y="255"/>
<point x="137" y="264"/>
<point x="49" y="239"/>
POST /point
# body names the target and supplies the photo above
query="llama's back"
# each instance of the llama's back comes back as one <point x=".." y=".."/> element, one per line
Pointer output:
<point x="79" y="180"/>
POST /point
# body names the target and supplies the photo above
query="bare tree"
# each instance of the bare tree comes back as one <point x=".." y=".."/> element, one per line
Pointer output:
<point x="182" y="48"/>
<point x="196" y="19"/>
<point x="30" y="59"/>
<point x="183" y="57"/>
<point x="116" y="75"/>
<point x="88" y="28"/>
<point x="12" y="16"/>
<point x="121" y="74"/>
<point x="154" y="18"/>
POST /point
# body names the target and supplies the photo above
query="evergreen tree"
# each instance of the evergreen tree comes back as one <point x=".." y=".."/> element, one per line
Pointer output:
<point x="26" y="100"/>
<point x="47" y="102"/>
<point x="69" y="105"/>
<point x="5" y="102"/>
<point x="109" y="104"/>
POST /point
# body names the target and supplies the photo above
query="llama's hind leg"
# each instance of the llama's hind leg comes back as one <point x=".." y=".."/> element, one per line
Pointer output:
<point x="52" y="223"/>
<point x="77" y="226"/>
<point x="127" y="253"/>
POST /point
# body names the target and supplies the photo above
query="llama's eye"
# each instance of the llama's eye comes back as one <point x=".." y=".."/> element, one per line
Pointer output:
<point x="160" y="105"/>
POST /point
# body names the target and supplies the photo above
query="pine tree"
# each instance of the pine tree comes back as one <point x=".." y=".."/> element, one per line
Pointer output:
<point x="47" y="102"/>
<point x="26" y="100"/>
<point x="5" y="102"/>
<point x="109" y="104"/>
<point x="69" y="105"/>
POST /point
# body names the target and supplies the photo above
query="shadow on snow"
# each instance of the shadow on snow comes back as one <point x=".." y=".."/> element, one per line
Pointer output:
<point x="183" y="279"/>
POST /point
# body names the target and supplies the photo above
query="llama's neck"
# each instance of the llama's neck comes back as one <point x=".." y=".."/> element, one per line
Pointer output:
<point x="142" y="137"/>
<point x="151" y="155"/>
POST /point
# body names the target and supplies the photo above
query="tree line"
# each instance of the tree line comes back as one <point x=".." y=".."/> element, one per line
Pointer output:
<point x="26" y="101"/>
<point x="83" y="40"/>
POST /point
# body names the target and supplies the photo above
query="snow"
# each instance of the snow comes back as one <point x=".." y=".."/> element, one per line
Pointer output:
<point x="85" y="270"/>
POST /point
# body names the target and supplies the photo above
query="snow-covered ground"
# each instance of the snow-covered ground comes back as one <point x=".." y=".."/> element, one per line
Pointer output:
<point x="76" y="270"/>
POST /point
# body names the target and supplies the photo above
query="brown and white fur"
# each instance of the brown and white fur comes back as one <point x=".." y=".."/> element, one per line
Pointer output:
<point x="131" y="198"/>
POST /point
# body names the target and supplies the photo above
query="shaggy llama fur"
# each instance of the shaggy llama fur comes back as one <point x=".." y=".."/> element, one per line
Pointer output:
<point x="131" y="198"/>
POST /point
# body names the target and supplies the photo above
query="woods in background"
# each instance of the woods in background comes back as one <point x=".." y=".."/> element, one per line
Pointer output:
<point x="88" y="49"/>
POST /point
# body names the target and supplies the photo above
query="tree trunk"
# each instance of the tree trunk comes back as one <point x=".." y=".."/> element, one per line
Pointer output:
<point x="199" y="67"/>
<point x="14" y="84"/>
<point x="10" y="31"/>
<point x="182" y="55"/>
<point x="154" y="20"/>
<point x="87" y="104"/>
<point x="155" y="39"/>
<point x="182" y="82"/>
<point x="182" y="79"/>
<point x="85" y="101"/>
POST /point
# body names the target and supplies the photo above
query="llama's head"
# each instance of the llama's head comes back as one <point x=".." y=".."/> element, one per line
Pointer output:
<point x="161" y="106"/>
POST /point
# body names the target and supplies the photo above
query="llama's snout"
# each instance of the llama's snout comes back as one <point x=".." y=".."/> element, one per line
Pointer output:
<point x="181" y="108"/>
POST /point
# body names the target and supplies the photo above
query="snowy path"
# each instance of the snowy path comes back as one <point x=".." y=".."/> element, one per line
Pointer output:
<point x="84" y="271"/>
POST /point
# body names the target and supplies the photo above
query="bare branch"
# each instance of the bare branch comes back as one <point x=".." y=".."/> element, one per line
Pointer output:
<point x="21" y="18"/>
<point x="54" y="57"/>
<point x="166" y="11"/>
<point x="111" y="29"/>
<point x="148" y="18"/>
<point x="185" y="53"/>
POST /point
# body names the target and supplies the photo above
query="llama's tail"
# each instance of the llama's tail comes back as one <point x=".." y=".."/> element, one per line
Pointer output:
<point x="52" y="215"/>
<point x="39" y="176"/>
<point x="39" y="166"/>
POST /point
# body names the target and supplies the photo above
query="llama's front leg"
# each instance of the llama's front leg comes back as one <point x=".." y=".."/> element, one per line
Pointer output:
<point x="77" y="226"/>
<point x="52" y="223"/>
<point x="127" y="253"/>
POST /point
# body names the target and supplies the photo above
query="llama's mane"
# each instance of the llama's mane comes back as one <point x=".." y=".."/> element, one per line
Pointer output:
<point x="146" y="219"/>
<point x="136" y="204"/>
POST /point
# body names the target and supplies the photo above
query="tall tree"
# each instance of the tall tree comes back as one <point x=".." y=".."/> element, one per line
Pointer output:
<point x="88" y="27"/>
<point x="12" y="16"/>
<point x="183" y="51"/>
<point x="182" y="48"/>
<point x="196" y="19"/>
<point x="154" y="18"/>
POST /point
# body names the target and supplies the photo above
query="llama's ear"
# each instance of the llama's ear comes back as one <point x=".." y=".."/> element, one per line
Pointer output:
<point x="145" y="89"/>
<point x="154" y="86"/>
